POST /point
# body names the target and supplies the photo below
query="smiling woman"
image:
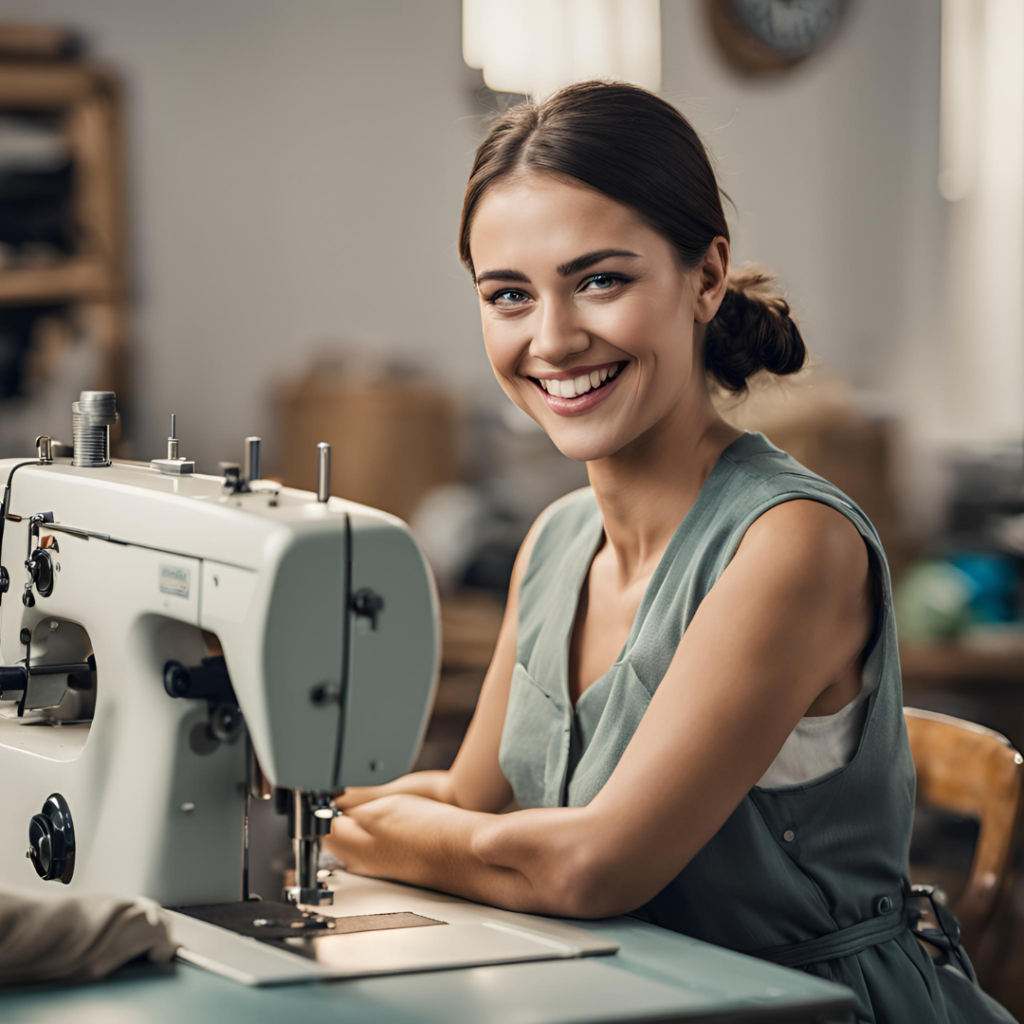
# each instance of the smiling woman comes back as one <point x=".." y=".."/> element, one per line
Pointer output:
<point x="694" y="706"/>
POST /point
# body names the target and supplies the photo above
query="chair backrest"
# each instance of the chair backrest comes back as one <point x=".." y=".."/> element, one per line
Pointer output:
<point x="966" y="769"/>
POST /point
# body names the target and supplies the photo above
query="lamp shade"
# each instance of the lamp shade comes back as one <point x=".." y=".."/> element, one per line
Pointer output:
<point x="537" y="46"/>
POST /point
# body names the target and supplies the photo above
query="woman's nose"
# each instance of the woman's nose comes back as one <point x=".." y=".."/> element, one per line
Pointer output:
<point x="559" y="335"/>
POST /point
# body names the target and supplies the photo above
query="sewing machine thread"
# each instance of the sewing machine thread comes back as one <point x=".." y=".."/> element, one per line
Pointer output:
<point x="91" y="418"/>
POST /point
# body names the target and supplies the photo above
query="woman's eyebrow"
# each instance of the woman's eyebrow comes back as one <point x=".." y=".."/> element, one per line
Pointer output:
<point x="564" y="269"/>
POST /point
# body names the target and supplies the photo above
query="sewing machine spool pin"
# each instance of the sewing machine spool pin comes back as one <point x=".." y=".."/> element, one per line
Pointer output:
<point x="175" y="463"/>
<point x="252" y="458"/>
<point x="323" y="479"/>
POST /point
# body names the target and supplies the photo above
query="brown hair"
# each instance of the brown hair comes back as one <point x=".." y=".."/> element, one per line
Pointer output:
<point x="639" y="150"/>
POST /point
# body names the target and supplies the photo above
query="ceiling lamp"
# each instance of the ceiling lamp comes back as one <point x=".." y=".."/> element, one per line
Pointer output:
<point x="537" y="46"/>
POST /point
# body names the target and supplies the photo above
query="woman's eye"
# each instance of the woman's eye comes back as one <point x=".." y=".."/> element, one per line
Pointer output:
<point x="607" y="281"/>
<point x="494" y="299"/>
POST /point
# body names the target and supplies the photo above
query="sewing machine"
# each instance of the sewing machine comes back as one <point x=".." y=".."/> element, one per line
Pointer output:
<point x="174" y="646"/>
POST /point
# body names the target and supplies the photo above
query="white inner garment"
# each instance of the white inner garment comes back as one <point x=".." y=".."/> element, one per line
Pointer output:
<point x="821" y="743"/>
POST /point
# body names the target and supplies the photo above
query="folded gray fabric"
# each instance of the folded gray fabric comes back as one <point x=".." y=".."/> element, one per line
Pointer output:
<point x="71" y="937"/>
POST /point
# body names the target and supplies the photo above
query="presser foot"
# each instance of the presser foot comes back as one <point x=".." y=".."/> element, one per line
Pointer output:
<point x="309" y="897"/>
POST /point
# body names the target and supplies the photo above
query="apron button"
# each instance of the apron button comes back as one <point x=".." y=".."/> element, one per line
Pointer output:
<point x="789" y="835"/>
<point x="883" y="905"/>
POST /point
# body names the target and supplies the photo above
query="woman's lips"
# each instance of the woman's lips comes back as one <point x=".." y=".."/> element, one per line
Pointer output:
<point x="578" y="406"/>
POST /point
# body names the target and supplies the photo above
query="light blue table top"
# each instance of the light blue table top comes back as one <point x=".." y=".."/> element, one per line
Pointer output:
<point x="657" y="975"/>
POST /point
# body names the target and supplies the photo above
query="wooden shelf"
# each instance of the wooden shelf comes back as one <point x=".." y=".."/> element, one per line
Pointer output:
<point x="76" y="280"/>
<point x="84" y="102"/>
<point x="33" y="85"/>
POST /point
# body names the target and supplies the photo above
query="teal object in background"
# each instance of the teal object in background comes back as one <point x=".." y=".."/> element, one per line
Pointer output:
<point x="994" y="579"/>
<point x="946" y="597"/>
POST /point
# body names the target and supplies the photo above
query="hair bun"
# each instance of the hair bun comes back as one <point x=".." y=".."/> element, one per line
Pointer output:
<point x="752" y="331"/>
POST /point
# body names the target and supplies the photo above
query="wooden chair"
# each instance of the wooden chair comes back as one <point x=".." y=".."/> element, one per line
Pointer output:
<point x="966" y="769"/>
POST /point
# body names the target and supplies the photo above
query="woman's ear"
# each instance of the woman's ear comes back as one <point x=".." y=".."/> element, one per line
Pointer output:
<point x="712" y="280"/>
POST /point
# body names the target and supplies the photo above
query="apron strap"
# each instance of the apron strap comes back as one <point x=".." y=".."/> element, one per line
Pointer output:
<point x="847" y="941"/>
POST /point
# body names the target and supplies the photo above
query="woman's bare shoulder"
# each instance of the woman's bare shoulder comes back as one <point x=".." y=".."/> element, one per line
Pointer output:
<point x="815" y="554"/>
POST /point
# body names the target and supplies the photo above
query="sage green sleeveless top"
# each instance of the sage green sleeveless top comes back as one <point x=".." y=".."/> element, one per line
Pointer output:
<point x="812" y="875"/>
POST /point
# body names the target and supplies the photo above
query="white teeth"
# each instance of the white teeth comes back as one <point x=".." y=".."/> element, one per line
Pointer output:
<point x="576" y="386"/>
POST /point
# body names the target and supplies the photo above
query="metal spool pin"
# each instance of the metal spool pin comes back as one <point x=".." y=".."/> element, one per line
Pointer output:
<point x="172" y="441"/>
<point x="252" y="458"/>
<point x="323" y="478"/>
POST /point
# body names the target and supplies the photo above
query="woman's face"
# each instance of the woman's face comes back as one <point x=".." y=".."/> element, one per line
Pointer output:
<point x="588" y="318"/>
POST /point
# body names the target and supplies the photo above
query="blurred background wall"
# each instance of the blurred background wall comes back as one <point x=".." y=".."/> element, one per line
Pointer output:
<point x="295" y="174"/>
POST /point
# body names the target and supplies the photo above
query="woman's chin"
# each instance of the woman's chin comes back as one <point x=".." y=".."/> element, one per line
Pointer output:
<point x="586" y="449"/>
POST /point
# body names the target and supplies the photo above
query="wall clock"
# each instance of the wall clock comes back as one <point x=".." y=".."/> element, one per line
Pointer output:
<point x="771" y="36"/>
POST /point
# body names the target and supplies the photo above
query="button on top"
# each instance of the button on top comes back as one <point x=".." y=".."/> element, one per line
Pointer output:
<point x="789" y="835"/>
<point x="883" y="905"/>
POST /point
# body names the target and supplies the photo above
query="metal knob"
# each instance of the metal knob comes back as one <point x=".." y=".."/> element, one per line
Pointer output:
<point x="252" y="458"/>
<point x="323" y="476"/>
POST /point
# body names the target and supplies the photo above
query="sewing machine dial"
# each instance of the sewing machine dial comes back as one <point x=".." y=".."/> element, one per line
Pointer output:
<point x="40" y="567"/>
<point x="51" y="840"/>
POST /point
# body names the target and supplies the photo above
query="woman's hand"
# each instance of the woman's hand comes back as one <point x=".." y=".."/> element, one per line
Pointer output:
<point x="389" y="836"/>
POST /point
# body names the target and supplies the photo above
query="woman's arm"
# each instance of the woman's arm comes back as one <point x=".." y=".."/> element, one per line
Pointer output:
<point x="474" y="781"/>
<point x="788" y="616"/>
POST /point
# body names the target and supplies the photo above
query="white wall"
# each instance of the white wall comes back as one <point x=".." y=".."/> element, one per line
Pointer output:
<point x="297" y="172"/>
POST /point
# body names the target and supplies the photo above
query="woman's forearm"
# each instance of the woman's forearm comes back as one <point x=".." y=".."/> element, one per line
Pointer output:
<point x="553" y="848"/>
<point x="532" y="861"/>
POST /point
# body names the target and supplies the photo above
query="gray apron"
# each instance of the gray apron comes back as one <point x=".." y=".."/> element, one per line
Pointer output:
<point x="811" y="876"/>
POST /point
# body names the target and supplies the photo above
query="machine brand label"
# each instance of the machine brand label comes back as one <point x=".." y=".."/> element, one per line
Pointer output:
<point x="174" y="580"/>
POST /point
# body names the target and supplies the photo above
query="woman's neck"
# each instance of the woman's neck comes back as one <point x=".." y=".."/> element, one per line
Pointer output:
<point x="645" y="489"/>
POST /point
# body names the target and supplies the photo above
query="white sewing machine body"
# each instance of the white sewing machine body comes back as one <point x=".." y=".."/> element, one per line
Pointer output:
<point x="130" y="746"/>
<point x="143" y="563"/>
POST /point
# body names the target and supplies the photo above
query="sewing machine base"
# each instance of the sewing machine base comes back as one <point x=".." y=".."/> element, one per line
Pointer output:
<point x="381" y="928"/>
